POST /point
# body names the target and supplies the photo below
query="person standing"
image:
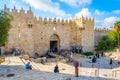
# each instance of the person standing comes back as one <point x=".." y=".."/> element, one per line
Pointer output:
<point x="71" y="54"/>
<point x="102" y="54"/>
<point x="76" y="65"/>
<point x="111" y="61"/>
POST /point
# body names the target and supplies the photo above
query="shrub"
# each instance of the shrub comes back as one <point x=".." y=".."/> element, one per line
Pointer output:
<point x="88" y="53"/>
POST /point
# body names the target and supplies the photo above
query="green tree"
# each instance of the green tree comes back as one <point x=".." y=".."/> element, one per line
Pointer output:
<point x="5" y="26"/>
<point x="113" y="35"/>
<point x="117" y="28"/>
<point x="105" y="44"/>
<point x="107" y="40"/>
<point x="102" y="45"/>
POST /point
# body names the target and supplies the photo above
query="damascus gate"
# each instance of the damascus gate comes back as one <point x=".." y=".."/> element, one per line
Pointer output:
<point x="39" y="35"/>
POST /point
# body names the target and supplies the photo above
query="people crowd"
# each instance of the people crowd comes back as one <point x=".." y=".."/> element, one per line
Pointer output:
<point x="12" y="51"/>
<point x="16" y="52"/>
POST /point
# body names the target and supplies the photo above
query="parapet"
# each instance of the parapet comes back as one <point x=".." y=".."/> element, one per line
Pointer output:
<point x="29" y="12"/>
<point x="53" y="20"/>
<point x="14" y="10"/>
<point x="47" y="20"/>
<point x="102" y="29"/>
<point x="88" y="19"/>
<point x="84" y="19"/>
<point x="6" y="9"/>
<point x="22" y="10"/>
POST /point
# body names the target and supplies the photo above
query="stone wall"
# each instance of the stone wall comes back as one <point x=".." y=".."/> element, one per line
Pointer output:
<point x="34" y="35"/>
<point x="100" y="33"/>
<point x="44" y="31"/>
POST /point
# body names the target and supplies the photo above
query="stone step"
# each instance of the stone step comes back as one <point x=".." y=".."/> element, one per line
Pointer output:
<point x="34" y="66"/>
<point x="32" y="63"/>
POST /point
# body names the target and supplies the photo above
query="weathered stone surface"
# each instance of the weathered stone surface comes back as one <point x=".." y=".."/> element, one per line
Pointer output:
<point x="33" y="35"/>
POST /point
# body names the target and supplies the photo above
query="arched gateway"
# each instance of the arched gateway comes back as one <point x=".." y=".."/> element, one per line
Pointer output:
<point x="54" y="43"/>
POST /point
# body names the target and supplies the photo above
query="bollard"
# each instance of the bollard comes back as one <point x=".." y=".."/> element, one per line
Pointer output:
<point x="92" y="65"/>
<point x="95" y="72"/>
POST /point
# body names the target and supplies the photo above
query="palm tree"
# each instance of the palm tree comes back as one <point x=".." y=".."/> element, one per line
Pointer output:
<point x="117" y="28"/>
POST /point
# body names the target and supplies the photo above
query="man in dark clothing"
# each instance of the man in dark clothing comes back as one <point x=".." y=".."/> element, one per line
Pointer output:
<point x="56" y="69"/>
<point x="110" y="62"/>
<point x="102" y="54"/>
<point x="98" y="56"/>
<point x="94" y="59"/>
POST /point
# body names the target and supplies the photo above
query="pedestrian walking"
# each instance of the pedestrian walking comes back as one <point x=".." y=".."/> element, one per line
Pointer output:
<point x="111" y="61"/>
<point x="76" y="65"/>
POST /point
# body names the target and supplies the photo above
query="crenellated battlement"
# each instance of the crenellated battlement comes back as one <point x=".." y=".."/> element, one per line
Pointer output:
<point x="102" y="29"/>
<point x="88" y="19"/>
<point x="6" y="9"/>
<point x="45" y="20"/>
<point x="15" y="11"/>
<point x="85" y="19"/>
<point x="53" y="20"/>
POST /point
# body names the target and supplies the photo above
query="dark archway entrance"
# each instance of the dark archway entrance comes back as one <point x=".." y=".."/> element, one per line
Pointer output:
<point x="54" y="43"/>
<point x="53" y="46"/>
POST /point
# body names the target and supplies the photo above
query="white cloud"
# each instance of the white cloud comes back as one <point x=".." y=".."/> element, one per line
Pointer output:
<point x="110" y="21"/>
<point x="47" y="6"/>
<point x="76" y="2"/>
<point x="84" y="12"/>
<point x="107" y="22"/>
<point x="97" y="12"/>
<point x="116" y="11"/>
<point x="15" y="3"/>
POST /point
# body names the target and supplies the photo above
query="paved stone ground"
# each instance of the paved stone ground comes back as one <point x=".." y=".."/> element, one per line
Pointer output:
<point x="101" y="70"/>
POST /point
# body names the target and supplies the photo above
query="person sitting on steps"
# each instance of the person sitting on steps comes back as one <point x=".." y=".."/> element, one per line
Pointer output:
<point x="56" y="69"/>
<point x="28" y="66"/>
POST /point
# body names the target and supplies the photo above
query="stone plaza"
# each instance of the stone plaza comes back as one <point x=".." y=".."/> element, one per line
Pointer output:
<point x="100" y="71"/>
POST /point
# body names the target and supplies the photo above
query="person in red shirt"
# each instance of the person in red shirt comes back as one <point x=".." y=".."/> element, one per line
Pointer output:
<point x="76" y="65"/>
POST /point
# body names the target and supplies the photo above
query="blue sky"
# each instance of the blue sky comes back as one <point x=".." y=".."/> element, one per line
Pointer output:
<point x="105" y="12"/>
